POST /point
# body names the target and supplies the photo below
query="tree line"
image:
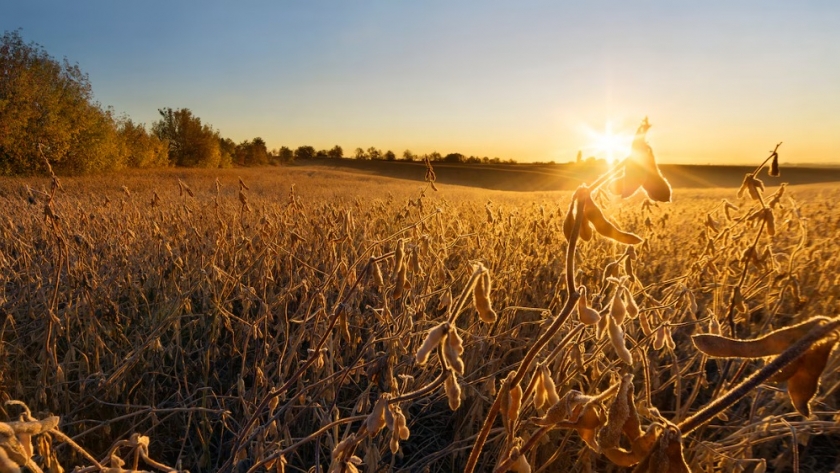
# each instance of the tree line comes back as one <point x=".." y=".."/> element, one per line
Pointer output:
<point x="48" y="111"/>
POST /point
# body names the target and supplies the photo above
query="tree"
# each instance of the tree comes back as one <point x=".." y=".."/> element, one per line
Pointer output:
<point x="390" y="156"/>
<point x="227" y="148"/>
<point x="322" y="154"/>
<point x="408" y="155"/>
<point x="252" y="153"/>
<point x="360" y="154"/>
<point x="47" y="107"/>
<point x="435" y="156"/>
<point x="286" y="155"/>
<point x="143" y="149"/>
<point x="191" y="143"/>
<point x="454" y="158"/>
<point x="336" y="152"/>
<point x="374" y="153"/>
<point x="259" y="152"/>
<point x="305" y="152"/>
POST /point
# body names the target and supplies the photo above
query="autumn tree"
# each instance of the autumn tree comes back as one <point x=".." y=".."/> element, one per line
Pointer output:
<point x="191" y="143"/>
<point x="143" y="149"/>
<point x="47" y="108"/>
<point x="251" y="153"/>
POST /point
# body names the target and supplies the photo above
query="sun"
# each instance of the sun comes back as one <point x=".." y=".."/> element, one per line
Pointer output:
<point x="608" y="144"/>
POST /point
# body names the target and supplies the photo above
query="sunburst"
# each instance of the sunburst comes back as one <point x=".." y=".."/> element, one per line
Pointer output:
<point x="608" y="144"/>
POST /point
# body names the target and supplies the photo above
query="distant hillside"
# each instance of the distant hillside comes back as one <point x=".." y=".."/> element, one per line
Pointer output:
<point x="547" y="177"/>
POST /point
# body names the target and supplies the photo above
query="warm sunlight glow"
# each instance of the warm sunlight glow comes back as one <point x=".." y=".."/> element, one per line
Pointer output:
<point x="608" y="144"/>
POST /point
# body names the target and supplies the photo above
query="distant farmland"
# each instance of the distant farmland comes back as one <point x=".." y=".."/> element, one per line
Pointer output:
<point x="549" y="177"/>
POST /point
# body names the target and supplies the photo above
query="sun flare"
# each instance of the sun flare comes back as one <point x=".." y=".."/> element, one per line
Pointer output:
<point x="608" y="144"/>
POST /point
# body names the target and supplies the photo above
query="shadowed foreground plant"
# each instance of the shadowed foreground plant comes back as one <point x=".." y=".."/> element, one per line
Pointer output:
<point x="17" y="450"/>
<point x="821" y="335"/>
<point x="802" y="372"/>
<point x="641" y="171"/>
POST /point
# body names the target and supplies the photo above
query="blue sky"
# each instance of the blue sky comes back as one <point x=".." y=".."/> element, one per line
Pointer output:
<point x="529" y="80"/>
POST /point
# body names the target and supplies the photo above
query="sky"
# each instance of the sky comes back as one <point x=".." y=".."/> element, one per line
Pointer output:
<point x="721" y="81"/>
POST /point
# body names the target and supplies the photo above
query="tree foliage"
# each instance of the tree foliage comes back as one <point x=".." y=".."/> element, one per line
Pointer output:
<point x="336" y="152"/>
<point x="286" y="155"/>
<point x="191" y="143"/>
<point x="47" y="107"/>
<point x="305" y="152"/>
<point x="454" y="158"/>
<point x="252" y="153"/>
<point x="143" y="150"/>
<point x="374" y="153"/>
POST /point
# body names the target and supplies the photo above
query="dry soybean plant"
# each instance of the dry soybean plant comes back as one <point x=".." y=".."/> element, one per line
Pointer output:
<point x="280" y="320"/>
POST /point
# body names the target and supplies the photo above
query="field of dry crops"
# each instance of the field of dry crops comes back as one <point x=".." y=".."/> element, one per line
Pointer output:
<point x="271" y="319"/>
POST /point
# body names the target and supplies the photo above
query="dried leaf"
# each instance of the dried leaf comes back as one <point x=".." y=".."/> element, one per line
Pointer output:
<point x="803" y="384"/>
<point x="605" y="227"/>
<point x="621" y="416"/>
<point x="666" y="456"/>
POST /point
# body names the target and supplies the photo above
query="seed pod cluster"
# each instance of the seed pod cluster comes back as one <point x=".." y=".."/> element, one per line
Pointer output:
<point x="511" y="403"/>
<point x="586" y="314"/>
<point x="630" y="304"/>
<point x="618" y="310"/>
<point x="751" y="185"/>
<point x="611" y="324"/>
<point x="453" y="391"/>
<point x="616" y="332"/>
<point x="774" y="166"/>
<point x="481" y="297"/>
<point x="727" y="207"/>
<point x="400" y="270"/>
<point x="397" y="424"/>
<point x="453" y="349"/>
<point x="376" y="419"/>
<point x="430" y="173"/>
<point x="662" y="338"/>
<point x="545" y="391"/>
<point x="432" y="340"/>
<point x="577" y="411"/>
<point x="520" y="463"/>
<point x="378" y="279"/>
<point x="622" y="416"/>
<point x="777" y="196"/>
